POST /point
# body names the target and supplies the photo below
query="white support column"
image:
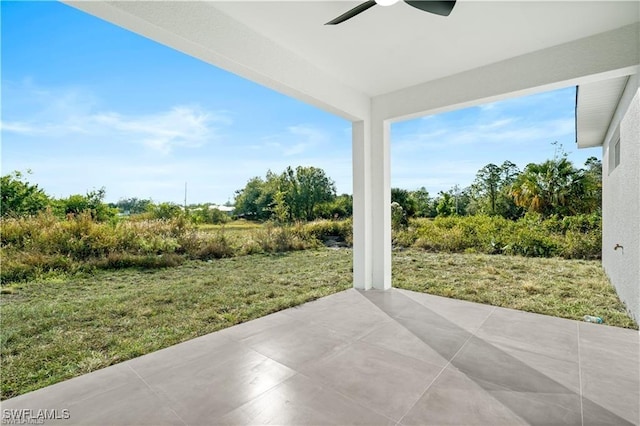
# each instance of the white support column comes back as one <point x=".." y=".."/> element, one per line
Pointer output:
<point x="381" y="203"/>
<point x="371" y="205"/>
<point x="362" y="241"/>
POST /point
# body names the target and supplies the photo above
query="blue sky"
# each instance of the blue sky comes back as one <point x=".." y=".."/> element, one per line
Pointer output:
<point x="86" y="104"/>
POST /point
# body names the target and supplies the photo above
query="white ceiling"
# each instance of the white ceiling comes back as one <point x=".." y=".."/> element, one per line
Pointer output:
<point x="395" y="62"/>
<point x="389" y="48"/>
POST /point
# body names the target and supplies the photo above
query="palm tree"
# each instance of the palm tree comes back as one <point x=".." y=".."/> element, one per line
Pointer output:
<point x="548" y="188"/>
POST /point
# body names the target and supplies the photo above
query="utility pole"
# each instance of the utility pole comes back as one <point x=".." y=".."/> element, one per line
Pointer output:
<point x="185" y="197"/>
<point x="456" y="188"/>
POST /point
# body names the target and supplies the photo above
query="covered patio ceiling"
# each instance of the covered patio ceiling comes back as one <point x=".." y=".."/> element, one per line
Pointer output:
<point x="393" y="63"/>
<point x="388" y="51"/>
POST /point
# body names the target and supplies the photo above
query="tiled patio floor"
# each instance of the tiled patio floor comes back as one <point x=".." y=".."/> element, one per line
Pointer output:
<point x="394" y="357"/>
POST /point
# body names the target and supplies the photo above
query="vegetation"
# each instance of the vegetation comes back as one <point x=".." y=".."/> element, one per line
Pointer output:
<point x="69" y="325"/>
<point x="552" y="188"/>
<point x="556" y="187"/>
<point x="39" y="245"/>
<point x="571" y="237"/>
<point x="305" y="193"/>
<point x="20" y="198"/>
<point x="550" y="209"/>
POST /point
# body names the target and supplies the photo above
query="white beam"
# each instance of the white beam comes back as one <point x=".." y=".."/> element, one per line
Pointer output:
<point x="208" y="34"/>
<point x="607" y="55"/>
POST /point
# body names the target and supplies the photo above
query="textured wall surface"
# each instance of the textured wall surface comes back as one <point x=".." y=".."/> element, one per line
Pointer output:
<point x="621" y="200"/>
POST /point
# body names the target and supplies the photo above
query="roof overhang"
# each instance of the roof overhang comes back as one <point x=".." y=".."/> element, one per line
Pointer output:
<point x="596" y="104"/>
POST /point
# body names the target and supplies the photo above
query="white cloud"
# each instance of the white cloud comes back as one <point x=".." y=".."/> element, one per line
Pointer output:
<point x="63" y="113"/>
<point x="18" y="127"/>
<point x="181" y="126"/>
<point x="507" y="131"/>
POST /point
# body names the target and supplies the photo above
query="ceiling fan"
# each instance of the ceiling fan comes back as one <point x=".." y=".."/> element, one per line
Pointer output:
<point x="442" y="8"/>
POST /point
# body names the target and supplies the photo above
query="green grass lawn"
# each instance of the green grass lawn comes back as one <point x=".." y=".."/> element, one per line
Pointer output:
<point x="66" y="326"/>
<point x="551" y="286"/>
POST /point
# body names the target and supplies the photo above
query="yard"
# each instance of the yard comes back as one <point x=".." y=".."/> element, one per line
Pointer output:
<point x="57" y="328"/>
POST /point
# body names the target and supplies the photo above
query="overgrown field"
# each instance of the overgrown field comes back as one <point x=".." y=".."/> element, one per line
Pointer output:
<point x="62" y="327"/>
<point x="572" y="237"/>
<point x="33" y="247"/>
<point x="37" y="246"/>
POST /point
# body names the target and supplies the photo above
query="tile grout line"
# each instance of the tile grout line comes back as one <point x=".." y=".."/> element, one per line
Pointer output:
<point x="472" y="334"/>
<point x="157" y="395"/>
<point x="580" y="374"/>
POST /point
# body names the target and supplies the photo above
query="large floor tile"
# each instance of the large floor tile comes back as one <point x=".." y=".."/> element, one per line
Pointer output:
<point x="455" y="399"/>
<point x="600" y="415"/>
<point x="466" y="315"/>
<point x="539" y="408"/>
<point x="610" y="367"/>
<point x="205" y="346"/>
<point x="396" y="337"/>
<point x="351" y="322"/>
<point x="296" y="345"/>
<point x="546" y="335"/>
<point x="442" y="335"/>
<point x="314" y="310"/>
<point x="565" y="373"/>
<point x="210" y="387"/>
<point x="132" y="405"/>
<point x="393" y="303"/>
<point x="495" y="369"/>
<point x="382" y="380"/>
<point x="300" y="401"/>
<point x="610" y="381"/>
<point x="131" y="402"/>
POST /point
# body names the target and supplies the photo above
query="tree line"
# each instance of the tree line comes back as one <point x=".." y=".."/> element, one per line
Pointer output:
<point x="20" y="198"/>
<point x="552" y="188"/>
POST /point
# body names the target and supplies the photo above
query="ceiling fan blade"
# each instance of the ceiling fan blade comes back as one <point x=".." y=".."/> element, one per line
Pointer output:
<point x="353" y="12"/>
<point x="442" y="8"/>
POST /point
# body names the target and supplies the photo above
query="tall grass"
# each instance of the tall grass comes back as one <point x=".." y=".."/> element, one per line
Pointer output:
<point x="577" y="237"/>
<point x="32" y="246"/>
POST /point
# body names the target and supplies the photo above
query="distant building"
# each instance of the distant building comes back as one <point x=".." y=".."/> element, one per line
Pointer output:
<point x="225" y="209"/>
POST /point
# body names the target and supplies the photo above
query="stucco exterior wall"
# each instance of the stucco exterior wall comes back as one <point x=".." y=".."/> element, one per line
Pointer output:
<point x="621" y="200"/>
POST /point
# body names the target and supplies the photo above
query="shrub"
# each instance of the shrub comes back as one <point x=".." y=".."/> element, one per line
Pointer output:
<point x="322" y="230"/>
<point x="276" y="239"/>
<point x="581" y="245"/>
<point x="571" y="237"/>
<point x="214" y="247"/>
